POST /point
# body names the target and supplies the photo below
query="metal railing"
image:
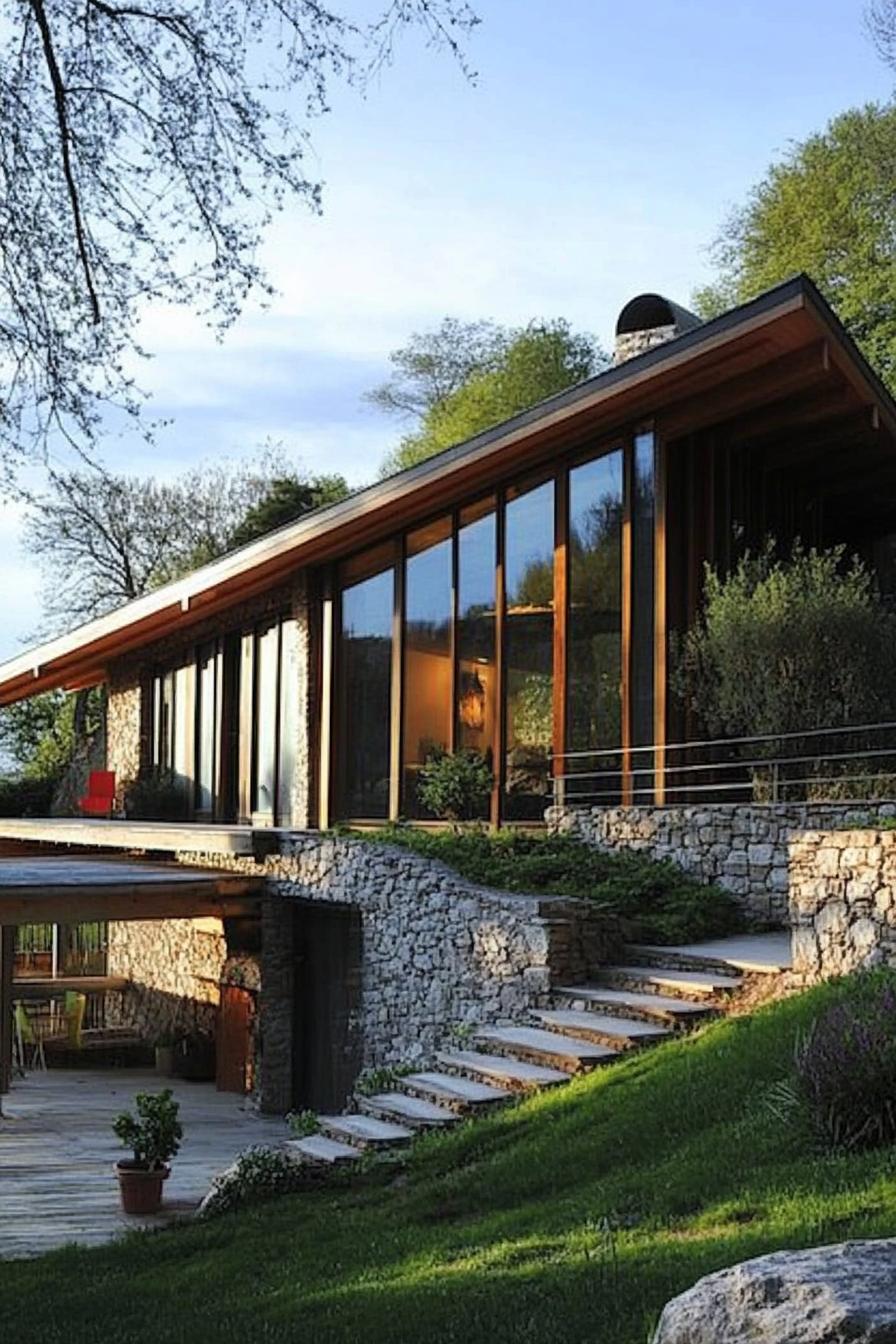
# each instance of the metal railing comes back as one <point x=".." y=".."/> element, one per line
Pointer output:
<point x="820" y="765"/>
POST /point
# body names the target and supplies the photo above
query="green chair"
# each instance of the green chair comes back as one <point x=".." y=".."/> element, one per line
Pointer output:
<point x="75" y="1007"/>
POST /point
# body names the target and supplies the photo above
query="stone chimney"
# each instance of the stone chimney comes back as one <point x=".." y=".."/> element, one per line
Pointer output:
<point x="647" y="321"/>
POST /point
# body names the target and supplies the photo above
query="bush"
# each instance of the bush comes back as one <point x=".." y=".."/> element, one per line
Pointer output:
<point x="157" y="795"/>
<point x="846" y="1067"/>
<point x="257" y="1175"/>
<point x="658" y="902"/>
<point x="25" y="797"/>
<point x="455" y="786"/>
<point x="792" y="644"/>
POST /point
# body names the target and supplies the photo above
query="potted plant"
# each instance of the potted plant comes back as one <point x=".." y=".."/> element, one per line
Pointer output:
<point x="153" y="1136"/>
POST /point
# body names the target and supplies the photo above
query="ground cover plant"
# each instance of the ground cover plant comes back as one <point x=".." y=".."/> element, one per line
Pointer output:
<point x="658" y="901"/>
<point x="573" y="1216"/>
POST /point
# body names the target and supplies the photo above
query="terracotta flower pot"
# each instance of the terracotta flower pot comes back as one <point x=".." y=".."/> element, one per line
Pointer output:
<point x="140" y="1189"/>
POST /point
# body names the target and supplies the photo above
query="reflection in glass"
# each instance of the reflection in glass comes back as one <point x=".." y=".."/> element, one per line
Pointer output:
<point x="642" y="658"/>
<point x="207" y="725"/>
<point x="267" y="644"/>
<point x="287" y="756"/>
<point x="427" y="655"/>
<point x="529" y="653"/>
<point x="594" y="638"/>
<point x="476" y="662"/>
<point x="365" y="662"/>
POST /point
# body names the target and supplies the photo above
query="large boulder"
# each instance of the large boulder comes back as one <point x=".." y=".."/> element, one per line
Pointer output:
<point x="828" y="1295"/>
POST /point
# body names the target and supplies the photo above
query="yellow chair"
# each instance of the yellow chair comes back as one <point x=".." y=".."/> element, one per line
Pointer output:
<point x="28" y="1037"/>
<point x="75" y="1007"/>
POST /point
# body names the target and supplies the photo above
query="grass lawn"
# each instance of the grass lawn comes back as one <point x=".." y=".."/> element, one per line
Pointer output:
<point x="571" y="1217"/>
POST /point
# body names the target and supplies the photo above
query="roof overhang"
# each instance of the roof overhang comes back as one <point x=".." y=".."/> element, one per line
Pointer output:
<point x="684" y="372"/>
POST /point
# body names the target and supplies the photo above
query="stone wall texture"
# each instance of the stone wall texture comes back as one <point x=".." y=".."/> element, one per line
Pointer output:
<point x="842" y="901"/>
<point x="743" y="847"/>
<point x="175" y="967"/>
<point x="124" y="728"/>
<point x="438" y="953"/>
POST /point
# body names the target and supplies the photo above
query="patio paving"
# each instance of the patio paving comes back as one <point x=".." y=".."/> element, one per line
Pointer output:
<point x="57" y="1150"/>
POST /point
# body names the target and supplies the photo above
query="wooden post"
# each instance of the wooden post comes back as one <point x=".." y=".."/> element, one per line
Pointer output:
<point x="7" y="952"/>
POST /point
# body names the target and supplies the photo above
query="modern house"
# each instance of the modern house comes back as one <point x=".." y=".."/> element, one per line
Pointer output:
<point x="516" y="594"/>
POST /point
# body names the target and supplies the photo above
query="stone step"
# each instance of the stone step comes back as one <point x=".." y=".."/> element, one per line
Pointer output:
<point x="567" y="1053"/>
<point x="365" y="1131"/>
<point x="661" y="980"/>
<point x="628" y="1003"/>
<point x="515" y="1075"/>
<point x="617" y="1033"/>
<point x="461" y="1095"/>
<point x="411" y="1111"/>
<point x="759" y="954"/>
<point x="319" y="1148"/>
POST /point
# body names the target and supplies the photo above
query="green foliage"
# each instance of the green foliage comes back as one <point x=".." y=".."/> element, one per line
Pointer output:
<point x="455" y="786"/>
<point x="259" y="1174"/>
<point x="574" y="1216"/>
<point x="287" y="498"/>
<point x="303" y="1123"/>
<point x="827" y="208"/>
<point x="657" y="901"/>
<point x="157" y="794"/>
<point x="845" y="1067"/>
<point x="385" y="1079"/>
<point x="41" y="734"/>
<point x="154" y="1134"/>
<point x="25" y="797"/>
<point x="519" y="368"/>
<point x="789" y="644"/>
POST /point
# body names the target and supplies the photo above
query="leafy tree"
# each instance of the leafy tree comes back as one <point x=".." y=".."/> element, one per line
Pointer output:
<point x="518" y="368"/>
<point x="787" y="645"/>
<point x="39" y="736"/>
<point x="286" y="499"/>
<point x="436" y="364"/>
<point x="828" y="208"/>
<point x="104" y="539"/>
<point x="144" y="150"/>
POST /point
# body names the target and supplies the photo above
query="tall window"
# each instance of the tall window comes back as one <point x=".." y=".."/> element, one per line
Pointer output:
<point x="427" y="654"/>
<point x="642" y="652"/>
<point x="208" y="725"/>
<point x="365" y="694"/>
<point x="529" y="650"/>
<point x="594" y="634"/>
<point x="476" y="691"/>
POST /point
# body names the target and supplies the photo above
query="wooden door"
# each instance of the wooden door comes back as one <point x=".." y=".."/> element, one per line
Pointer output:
<point x="234" y="1040"/>
<point x="326" y="1036"/>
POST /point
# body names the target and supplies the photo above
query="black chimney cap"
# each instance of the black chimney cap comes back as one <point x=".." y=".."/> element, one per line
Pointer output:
<point x="651" y="310"/>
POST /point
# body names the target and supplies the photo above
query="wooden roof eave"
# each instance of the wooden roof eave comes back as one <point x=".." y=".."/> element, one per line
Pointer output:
<point x="770" y="328"/>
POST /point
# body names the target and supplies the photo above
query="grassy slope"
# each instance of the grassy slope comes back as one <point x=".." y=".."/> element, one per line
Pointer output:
<point x="498" y="1231"/>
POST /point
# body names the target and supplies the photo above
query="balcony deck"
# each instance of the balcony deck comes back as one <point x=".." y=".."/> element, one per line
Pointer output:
<point x="163" y="837"/>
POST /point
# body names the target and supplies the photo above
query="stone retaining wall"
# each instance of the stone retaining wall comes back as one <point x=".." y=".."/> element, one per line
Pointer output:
<point x="842" y="901"/>
<point x="438" y="953"/>
<point x="174" y="967"/>
<point x="741" y="846"/>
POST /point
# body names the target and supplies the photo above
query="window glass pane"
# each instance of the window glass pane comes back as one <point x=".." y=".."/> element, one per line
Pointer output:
<point x="182" y="749"/>
<point x="476" y="647"/>
<point x="427" y="655"/>
<point x="642" y="665"/>
<point x="594" y="636"/>
<point x="289" y="721"/>
<point x="266" y="663"/>
<point x="365" y="698"/>
<point x="206" y="728"/>
<point x="529" y="651"/>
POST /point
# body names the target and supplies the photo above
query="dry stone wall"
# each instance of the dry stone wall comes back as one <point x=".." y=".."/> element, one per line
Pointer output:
<point x="174" y="967"/>
<point x="842" y="901"/>
<point x="743" y="847"/>
<point x="439" y="955"/>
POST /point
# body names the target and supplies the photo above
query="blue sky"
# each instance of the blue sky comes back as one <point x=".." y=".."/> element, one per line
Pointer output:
<point x="595" y="157"/>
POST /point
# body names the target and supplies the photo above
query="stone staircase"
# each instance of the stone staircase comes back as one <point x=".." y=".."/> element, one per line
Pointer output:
<point x="658" y="993"/>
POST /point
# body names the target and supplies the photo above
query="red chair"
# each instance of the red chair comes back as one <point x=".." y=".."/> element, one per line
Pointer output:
<point x="99" y="800"/>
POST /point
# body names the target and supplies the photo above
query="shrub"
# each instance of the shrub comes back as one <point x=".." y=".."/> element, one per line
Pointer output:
<point x="25" y="797"/>
<point x="455" y="786"/>
<point x="303" y="1123"/>
<point x="156" y="795"/>
<point x="846" y="1067"/>
<point x="791" y="644"/>
<point x="155" y="1133"/>
<point x="257" y="1175"/>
